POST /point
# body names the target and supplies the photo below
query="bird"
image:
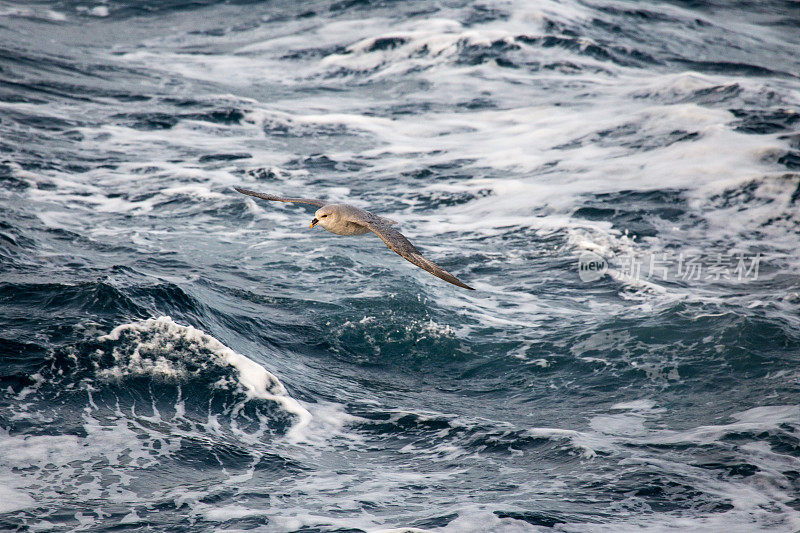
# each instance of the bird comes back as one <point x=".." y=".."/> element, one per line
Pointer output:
<point x="346" y="219"/>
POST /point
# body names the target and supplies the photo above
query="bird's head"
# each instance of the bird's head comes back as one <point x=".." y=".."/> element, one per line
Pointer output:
<point x="324" y="217"/>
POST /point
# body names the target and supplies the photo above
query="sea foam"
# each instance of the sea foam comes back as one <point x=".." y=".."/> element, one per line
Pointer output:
<point x="157" y="337"/>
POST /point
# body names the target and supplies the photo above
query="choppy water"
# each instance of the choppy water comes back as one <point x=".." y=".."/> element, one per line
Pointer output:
<point x="175" y="356"/>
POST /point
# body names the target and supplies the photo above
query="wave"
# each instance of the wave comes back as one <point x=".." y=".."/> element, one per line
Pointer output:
<point x="146" y="395"/>
<point x="162" y="349"/>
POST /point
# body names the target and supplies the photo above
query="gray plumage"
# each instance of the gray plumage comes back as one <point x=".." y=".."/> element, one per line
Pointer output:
<point x="272" y="197"/>
<point x="345" y="219"/>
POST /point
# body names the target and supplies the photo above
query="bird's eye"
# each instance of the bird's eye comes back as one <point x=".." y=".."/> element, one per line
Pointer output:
<point x="323" y="216"/>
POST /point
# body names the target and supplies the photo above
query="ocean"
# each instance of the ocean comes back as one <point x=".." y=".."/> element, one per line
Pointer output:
<point x="618" y="180"/>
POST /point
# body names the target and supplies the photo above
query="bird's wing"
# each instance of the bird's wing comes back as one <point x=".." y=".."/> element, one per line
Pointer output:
<point x="265" y="196"/>
<point x="389" y="221"/>
<point x="396" y="241"/>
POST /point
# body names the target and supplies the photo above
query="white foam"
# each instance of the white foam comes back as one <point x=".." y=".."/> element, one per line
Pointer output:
<point x="587" y="443"/>
<point x="160" y="332"/>
<point x="618" y="424"/>
<point x="33" y="12"/>
<point x="50" y="466"/>
<point x="401" y="530"/>
<point x="756" y="419"/>
<point x="642" y="405"/>
<point x="12" y="499"/>
<point x="99" y="11"/>
<point x="131" y="518"/>
<point x="231" y="512"/>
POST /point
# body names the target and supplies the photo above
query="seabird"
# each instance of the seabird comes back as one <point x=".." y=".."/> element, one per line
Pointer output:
<point x="345" y="219"/>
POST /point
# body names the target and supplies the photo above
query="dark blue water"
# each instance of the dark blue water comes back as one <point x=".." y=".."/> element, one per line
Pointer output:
<point x="176" y="356"/>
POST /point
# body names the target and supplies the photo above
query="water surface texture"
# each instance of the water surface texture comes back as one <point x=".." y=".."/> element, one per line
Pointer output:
<point x="176" y="356"/>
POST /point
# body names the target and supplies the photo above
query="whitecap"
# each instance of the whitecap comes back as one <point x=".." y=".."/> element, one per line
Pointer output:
<point x="161" y="333"/>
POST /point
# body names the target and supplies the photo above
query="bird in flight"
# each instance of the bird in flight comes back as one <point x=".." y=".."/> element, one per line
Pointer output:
<point x="344" y="219"/>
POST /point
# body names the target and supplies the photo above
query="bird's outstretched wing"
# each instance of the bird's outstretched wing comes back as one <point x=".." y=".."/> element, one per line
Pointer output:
<point x="397" y="242"/>
<point x="265" y="196"/>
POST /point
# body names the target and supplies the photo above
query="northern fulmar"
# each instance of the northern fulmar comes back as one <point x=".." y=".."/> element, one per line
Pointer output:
<point x="345" y="219"/>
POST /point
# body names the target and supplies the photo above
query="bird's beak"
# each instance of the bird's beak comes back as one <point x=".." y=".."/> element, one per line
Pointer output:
<point x="313" y="223"/>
